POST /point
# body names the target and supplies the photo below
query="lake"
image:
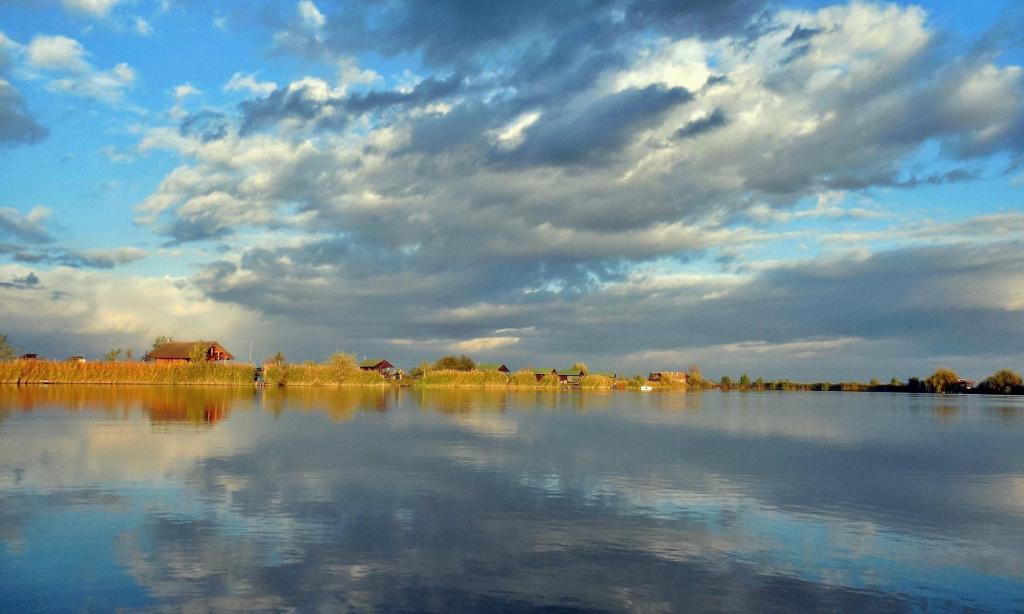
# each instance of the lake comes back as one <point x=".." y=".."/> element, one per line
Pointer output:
<point x="474" y="500"/>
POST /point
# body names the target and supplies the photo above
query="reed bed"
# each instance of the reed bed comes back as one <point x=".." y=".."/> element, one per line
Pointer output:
<point x="62" y="372"/>
<point x="317" y="374"/>
<point x="495" y="379"/>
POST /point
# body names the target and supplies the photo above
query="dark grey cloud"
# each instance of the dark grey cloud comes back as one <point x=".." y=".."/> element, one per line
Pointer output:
<point x="205" y="125"/>
<point x="593" y="133"/>
<point x="92" y="259"/>
<point x="710" y="18"/>
<point x="452" y="224"/>
<point x="335" y="112"/>
<point x="801" y="34"/>
<point x="25" y="282"/>
<point x="429" y="90"/>
<point x="461" y="33"/>
<point x="715" y="119"/>
<point x="911" y="298"/>
<point x="17" y="125"/>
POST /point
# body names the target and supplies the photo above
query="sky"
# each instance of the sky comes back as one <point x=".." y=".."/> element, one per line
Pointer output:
<point x="804" y="189"/>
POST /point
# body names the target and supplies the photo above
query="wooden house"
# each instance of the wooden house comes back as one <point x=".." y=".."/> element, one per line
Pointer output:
<point x="570" y="377"/>
<point x="493" y="366"/>
<point x="381" y="366"/>
<point x="182" y="352"/>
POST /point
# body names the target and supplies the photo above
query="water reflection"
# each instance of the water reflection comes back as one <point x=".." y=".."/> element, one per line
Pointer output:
<point x="442" y="500"/>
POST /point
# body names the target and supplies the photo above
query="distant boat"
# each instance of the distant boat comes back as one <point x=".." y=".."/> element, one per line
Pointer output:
<point x="646" y="388"/>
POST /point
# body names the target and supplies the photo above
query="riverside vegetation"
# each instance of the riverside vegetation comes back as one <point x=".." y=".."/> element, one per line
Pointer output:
<point x="341" y="369"/>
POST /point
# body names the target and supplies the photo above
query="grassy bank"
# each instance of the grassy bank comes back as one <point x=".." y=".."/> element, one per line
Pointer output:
<point x="316" y="374"/>
<point x="524" y="379"/>
<point x="306" y="374"/>
<point x="60" y="372"/>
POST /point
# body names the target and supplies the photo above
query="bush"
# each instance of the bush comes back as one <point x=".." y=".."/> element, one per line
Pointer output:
<point x="943" y="380"/>
<point x="455" y="363"/>
<point x="1003" y="381"/>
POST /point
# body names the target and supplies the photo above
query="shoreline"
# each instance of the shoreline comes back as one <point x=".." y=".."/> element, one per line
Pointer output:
<point x="463" y="386"/>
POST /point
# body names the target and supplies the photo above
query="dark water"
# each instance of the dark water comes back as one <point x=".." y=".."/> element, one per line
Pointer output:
<point x="221" y="499"/>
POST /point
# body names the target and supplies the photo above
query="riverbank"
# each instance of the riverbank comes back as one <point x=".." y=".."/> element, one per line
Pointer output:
<point x="307" y="374"/>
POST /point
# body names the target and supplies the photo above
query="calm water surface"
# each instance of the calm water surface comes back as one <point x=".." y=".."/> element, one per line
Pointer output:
<point x="171" y="498"/>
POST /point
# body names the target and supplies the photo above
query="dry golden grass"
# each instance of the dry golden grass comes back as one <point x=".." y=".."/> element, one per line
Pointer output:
<point x="62" y="372"/>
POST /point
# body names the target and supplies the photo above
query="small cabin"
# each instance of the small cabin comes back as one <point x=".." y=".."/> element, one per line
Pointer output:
<point x="381" y="366"/>
<point x="183" y="351"/>
<point x="963" y="385"/>
<point x="667" y="377"/>
<point x="569" y="377"/>
<point x="29" y="356"/>
<point x="493" y="366"/>
<point x="76" y="358"/>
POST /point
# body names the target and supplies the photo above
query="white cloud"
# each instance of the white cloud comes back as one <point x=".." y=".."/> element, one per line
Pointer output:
<point x="249" y="83"/>
<point x="511" y="134"/>
<point x="310" y="15"/>
<point x="29" y="227"/>
<point x="142" y="27"/>
<point x="350" y="73"/>
<point x="115" y="155"/>
<point x="481" y="344"/>
<point x="185" y="90"/>
<point x="95" y="8"/>
<point x="67" y="56"/>
<point x="58" y="53"/>
<point x="116" y="308"/>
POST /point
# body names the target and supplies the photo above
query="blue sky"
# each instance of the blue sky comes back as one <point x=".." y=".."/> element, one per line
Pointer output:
<point x="806" y="190"/>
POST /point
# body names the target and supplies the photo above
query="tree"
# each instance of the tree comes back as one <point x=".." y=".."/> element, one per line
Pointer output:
<point x="943" y="380"/>
<point x="112" y="355"/>
<point x="895" y="382"/>
<point x="198" y="353"/>
<point x="344" y="363"/>
<point x="7" y="351"/>
<point x="1003" y="381"/>
<point x="162" y="339"/>
<point x="694" y="378"/>
<point x="421" y="370"/>
<point x="278" y="358"/>
<point x="744" y="382"/>
<point x="129" y="354"/>
<point x="455" y="363"/>
<point x="874" y="383"/>
<point x="581" y="366"/>
<point x="725" y="382"/>
<point x="759" y="383"/>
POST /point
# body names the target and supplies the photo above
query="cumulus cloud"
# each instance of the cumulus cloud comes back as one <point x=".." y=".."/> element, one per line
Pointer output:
<point x="99" y="308"/>
<point x="311" y="16"/>
<point x="311" y="102"/>
<point x="249" y="83"/>
<point x="566" y="162"/>
<point x="68" y="59"/>
<point x="28" y="227"/>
